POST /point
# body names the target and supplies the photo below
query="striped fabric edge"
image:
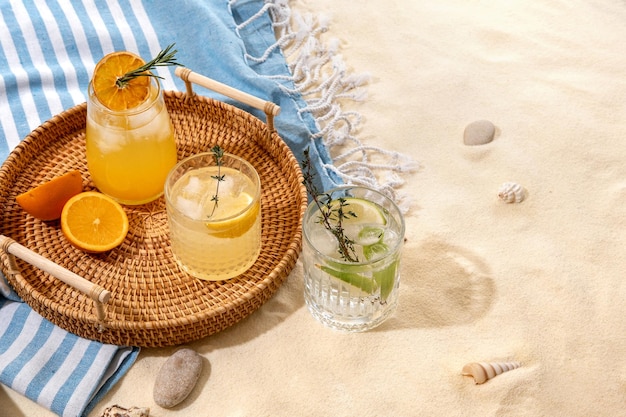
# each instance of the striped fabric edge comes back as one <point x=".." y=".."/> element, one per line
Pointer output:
<point x="34" y="362"/>
<point x="95" y="31"/>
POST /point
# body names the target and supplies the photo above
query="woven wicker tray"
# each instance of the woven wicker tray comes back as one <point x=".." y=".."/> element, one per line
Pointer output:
<point x="152" y="302"/>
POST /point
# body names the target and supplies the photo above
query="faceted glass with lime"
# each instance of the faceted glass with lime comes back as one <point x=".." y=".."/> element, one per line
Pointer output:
<point x="359" y="291"/>
<point x="214" y="215"/>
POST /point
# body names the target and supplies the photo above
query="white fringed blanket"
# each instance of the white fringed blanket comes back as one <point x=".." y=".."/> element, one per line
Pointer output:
<point x="541" y="282"/>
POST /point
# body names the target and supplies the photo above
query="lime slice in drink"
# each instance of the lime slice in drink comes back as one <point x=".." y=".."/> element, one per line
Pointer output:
<point x="366" y="212"/>
<point x="385" y="279"/>
<point x="375" y="251"/>
<point x="364" y="222"/>
<point x="364" y="283"/>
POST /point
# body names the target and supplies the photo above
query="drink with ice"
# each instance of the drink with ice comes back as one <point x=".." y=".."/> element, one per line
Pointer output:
<point x="130" y="152"/>
<point x="360" y="293"/>
<point x="214" y="240"/>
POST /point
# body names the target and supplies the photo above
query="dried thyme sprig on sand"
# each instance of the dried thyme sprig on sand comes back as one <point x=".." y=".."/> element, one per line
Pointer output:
<point x="164" y="58"/>
<point x="330" y="213"/>
<point x="218" y="154"/>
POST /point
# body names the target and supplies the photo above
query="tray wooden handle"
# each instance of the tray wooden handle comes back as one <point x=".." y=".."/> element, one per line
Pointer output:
<point x="95" y="292"/>
<point x="270" y="109"/>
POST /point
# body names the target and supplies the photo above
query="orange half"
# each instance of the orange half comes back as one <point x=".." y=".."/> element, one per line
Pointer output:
<point x="94" y="222"/>
<point x="46" y="201"/>
<point x="105" y="75"/>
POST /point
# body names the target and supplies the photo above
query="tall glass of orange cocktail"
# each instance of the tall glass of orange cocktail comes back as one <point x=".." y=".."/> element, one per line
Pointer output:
<point x="129" y="135"/>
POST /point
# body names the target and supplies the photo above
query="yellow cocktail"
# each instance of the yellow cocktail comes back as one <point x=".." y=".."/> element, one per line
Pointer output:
<point x="129" y="135"/>
<point x="214" y="215"/>
<point x="130" y="152"/>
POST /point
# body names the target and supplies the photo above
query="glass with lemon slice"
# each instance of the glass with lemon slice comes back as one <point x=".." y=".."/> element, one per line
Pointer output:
<point x="214" y="239"/>
<point x="352" y="294"/>
<point x="129" y="135"/>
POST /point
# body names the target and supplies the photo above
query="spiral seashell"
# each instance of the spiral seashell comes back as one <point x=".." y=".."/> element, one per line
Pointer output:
<point x="118" y="411"/>
<point x="484" y="371"/>
<point x="511" y="192"/>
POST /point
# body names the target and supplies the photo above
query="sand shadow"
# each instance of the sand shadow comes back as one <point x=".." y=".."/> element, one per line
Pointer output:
<point x="7" y="406"/>
<point x="446" y="285"/>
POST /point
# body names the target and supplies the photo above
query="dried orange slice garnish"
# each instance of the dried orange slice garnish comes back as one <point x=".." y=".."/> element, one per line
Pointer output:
<point x="94" y="222"/>
<point x="46" y="201"/>
<point x="104" y="81"/>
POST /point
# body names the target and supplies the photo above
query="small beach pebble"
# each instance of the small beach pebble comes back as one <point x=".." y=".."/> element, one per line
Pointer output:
<point x="479" y="132"/>
<point x="177" y="378"/>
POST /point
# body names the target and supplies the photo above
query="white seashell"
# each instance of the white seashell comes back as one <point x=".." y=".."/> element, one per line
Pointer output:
<point x="117" y="411"/>
<point x="484" y="371"/>
<point x="511" y="192"/>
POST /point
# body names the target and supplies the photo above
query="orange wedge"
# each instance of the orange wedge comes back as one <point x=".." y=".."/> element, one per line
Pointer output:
<point x="108" y="70"/>
<point x="46" y="201"/>
<point x="94" y="222"/>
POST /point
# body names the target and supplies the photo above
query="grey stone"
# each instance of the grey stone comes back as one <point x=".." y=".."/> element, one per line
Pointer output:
<point x="177" y="378"/>
<point x="479" y="132"/>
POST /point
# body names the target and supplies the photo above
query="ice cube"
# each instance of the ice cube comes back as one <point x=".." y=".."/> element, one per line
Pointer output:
<point x="190" y="208"/>
<point x="323" y="240"/>
<point x="390" y="238"/>
<point x="376" y="251"/>
<point x="144" y="119"/>
<point x="238" y="184"/>
<point x="226" y="184"/>
<point x="193" y="187"/>
<point x="110" y="144"/>
<point x="369" y="235"/>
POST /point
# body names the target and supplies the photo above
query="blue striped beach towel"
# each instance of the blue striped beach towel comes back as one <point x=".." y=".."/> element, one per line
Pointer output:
<point x="61" y="371"/>
<point x="48" y="50"/>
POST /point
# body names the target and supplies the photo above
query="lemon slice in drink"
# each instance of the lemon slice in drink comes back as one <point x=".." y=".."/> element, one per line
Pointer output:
<point x="232" y="227"/>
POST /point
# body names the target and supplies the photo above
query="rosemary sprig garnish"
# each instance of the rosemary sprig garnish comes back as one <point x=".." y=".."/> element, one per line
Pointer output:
<point x="163" y="59"/>
<point x="328" y="213"/>
<point x="218" y="154"/>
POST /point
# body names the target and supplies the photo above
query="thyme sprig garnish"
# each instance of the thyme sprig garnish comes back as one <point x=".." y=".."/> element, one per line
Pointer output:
<point x="163" y="59"/>
<point x="331" y="216"/>
<point x="218" y="154"/>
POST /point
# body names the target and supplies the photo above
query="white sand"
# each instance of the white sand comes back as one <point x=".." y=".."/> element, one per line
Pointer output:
<point x="542" y="282"/>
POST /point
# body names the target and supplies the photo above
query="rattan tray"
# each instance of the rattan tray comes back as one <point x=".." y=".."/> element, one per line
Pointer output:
<point x="152" y="303"/>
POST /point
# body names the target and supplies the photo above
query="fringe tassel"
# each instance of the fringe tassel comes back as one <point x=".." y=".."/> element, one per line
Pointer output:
<point x="320" y="76"/>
